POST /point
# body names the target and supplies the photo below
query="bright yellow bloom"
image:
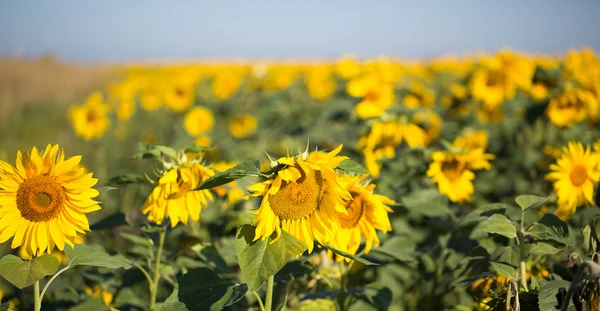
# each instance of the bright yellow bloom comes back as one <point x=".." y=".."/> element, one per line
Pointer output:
<point x="302" y="199"/>
<point x="572" y="106"/>
<point x="492" y="87"/>
<point x="243" y="126"/>
<point x="180" y="94"/>
<point x="320" y="82"/>
<point x="198" y="121"/>
<point x="90" y="120"/>
<point x="539" y="91"/>
<point x="366" y="213"/>
<point x="173" y="195"/>
<point x="383" y="138"/>
<point x="347" y="67"/>
<point x="418" y="96"/>
<point x="376" y="95"/>
<point x="106" y="296"/>
<point x="226" y="84"/>
<point x="450" y="171"/>
<point x="151" y="98"/>
<point x="471" y="141"/>
<point x="430" y="122"/>
<point x="574" y="176"/>
<point x="43" y="201"/>
<point x="203" y="141"/>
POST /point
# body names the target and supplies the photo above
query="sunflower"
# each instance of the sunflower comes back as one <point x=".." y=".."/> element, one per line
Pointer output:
<point x="173" y="195"/>
<point x="180" y="94"/>
<point x="226" y="84"/>
<point x="97" y="291"/>
<point x="376" y="95"/>
<point x="90" y="120"/>
<point x="452" y="171"/>
<point x="475" y="143"/>
<point x="572" y="106"/>
<point x="243" y="126"/>
<point x="366" y="213"/>
<point x="492" y="87"/>
<point x="383" y="138"/>
<point x="418" y="96"/>
<point x="43" y="201"/>
<point x="347" y="67"/>
<point x="302" y="198"/>
<point x="320" y="82"/>
<point x="574" y="176"/>
<point x="198" y="121"/>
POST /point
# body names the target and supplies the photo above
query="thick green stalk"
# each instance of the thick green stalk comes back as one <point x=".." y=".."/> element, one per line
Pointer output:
<point x="154" y="284"/>
<point x="269" y="298"/>
<point x="37" y="302"/>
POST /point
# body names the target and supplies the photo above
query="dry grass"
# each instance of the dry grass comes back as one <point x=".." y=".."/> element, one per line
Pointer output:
<point x="45" y="81"/>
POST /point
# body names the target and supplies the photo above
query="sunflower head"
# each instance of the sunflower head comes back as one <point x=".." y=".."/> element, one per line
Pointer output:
<point x="574" y="176"/>
<point x="243" y="126"/>
<point x="450" y="171"/>
<point x="572" y="106"/>
<point x="199" y="121"/>
<point x="302" y="197"/>
<point x="365" y="213"/>
<point x="90" y="121"/>
<point x="44" y="199"/>
<point x="173" y="194"/>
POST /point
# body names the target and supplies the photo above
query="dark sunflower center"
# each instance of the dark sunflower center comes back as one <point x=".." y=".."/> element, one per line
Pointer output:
<point x="495" y="78"/>
<point x="453" y="169"/>
<point x="40" y="198"/>
<point x="297" y="200"/>
<point x="355" y="209"/>
<point x="92" y="116"/>
<point x="373" y="96"/>
<point x="578" y="175"/>
<point x="180" y="92"/>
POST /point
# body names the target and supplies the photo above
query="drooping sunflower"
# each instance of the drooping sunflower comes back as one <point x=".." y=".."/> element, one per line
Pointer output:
<point x="44" y="199"/>
<point x="90" y="120"/>
<point x="172" y="195"/>
<point x="574" y="176"/>
<point x="366" y="213"/>
<point x="302" y="198"/>
<point x="198" y="121"/>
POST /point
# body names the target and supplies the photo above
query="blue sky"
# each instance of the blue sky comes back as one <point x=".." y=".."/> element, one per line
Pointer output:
<point x="116" y="30"/>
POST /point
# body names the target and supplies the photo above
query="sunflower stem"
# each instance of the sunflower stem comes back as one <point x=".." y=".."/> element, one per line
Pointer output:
<point x="52" y="279"/>
<point x="342" y="295"/>
<point x="260" y="303"/>
<point x="154" y="284"/>
<point x="37" y="302"/>
<point x="269" y="297"/>
<point x="523" y="264"/>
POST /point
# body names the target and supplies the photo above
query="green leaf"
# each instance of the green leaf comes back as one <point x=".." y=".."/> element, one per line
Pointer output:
<point x="547" y="299"/>
<point x="482" y="213"/>
<point x="558" y="229"/>
<point x="210" y="255"/>
<point x="250" y="168"/>
<point x="427" y="203"/>
<point x="202" y="289"/>
<point x="91" y="304"/>
<point x="172" y="303"/>
<point x="501" y="225"/>
<point x="353" y="257"/>
<point x="260" y="259"/>
<point x="23" y="273"/>
<point x="168" y="151"/>
<point x="113" y="220"/>
<point x="84" y="255"/>
<point x="545" y="248"/>
<point x="196" y="148"/>
<point x="350" y="166"/>
<point x="136" y="239"/>
<point x="126" y="179"/>
<point x="504" y="269"/>
<point x="380" y="297"/>
<point x="399" y="247"/>
<point x="530" y="201"/>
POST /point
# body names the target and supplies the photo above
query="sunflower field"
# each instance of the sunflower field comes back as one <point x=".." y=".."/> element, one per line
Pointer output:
<point x="453" y="183"/>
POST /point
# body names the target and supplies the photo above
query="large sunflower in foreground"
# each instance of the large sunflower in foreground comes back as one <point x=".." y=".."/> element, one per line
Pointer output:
<point x="574" y="176"/>
<point x="44" y="199"/>
<point x="302" y="198"/>
<point x="366" y="213"/>
<point x="173" y="195"/>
